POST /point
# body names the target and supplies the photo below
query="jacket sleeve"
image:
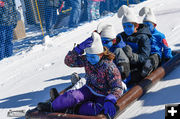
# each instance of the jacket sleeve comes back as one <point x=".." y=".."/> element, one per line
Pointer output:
<point x="114" y="81"/>
<point x="144" y="48"/>
<point x="72" y="59"/>
<point x="166" y="50"/>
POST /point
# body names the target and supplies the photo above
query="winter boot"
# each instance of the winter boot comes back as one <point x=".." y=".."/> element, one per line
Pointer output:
<point x="45" y="107"/>
<point x="74" y="78"/>
<point x="147" y="68"/>
<point x="53" y="94"/>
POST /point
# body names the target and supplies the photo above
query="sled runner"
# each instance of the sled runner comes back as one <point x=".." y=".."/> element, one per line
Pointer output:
<point x="126" y="100"/>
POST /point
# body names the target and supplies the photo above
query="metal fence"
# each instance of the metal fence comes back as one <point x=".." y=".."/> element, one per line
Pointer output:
<point x="31" y="16"/>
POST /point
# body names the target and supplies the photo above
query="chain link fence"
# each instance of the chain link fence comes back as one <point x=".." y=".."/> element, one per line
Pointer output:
<point x="23" y="22"/>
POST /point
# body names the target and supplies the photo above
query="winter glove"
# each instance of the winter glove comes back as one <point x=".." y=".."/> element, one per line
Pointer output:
<point x="109" y="108"/>
<point x="109" y="105"/>
<point x="133" y="57"/>
<point x="85" y="44"/>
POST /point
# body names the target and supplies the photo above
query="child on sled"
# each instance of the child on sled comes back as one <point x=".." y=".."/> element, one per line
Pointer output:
<point x="137" y="39"/>
<point x="159" y="45"/>
<point x="103" y="81"/>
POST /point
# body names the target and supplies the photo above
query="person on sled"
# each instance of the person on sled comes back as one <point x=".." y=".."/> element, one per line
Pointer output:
<point x="108" y="37"/>
<point x="159" y="45"/>
<point x="103" y="86"/>
<point x="137" y="38"/>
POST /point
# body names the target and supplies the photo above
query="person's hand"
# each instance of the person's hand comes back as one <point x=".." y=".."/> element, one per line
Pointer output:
<point x="85" y="44"/>
<point x="1" y="4"/>
<point x="128" y="50"/>
<point x="109" y="108"/>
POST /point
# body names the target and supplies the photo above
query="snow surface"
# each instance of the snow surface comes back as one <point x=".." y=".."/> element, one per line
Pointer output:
<point x="26" y="77"/>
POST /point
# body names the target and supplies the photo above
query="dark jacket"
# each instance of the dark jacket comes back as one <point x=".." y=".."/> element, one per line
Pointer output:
<point x="53" y="3"/>
<point x="139" y="42"/>
<point x="8" y="14"/>
<point x="103" y="78"/>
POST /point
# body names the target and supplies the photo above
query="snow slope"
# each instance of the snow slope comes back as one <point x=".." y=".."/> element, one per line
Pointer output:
<point x="25" y="78"/>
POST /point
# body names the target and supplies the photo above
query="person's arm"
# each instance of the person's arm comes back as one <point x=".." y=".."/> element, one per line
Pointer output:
<point x="116" y="91"/>
<point x="73" y="59"/>
<point x="166" y="50"/>
<point x="114" y="81"/>
<point x="1" y="4"/>
<point x="143" y="50"/>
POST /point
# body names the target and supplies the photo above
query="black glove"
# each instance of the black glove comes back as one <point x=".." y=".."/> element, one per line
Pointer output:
<point x="133" y="57"/>
<point x="128" y="50"/>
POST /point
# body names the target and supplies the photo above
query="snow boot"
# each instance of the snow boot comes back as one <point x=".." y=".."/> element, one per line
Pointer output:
<point x="74" y="78"/>
<point x="147" y="68"/>
<point x="45" y="107"/>
<point x="53" y="94"/>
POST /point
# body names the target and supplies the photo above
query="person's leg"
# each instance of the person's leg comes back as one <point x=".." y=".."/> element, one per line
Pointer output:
<point x="155" y="60"/>
<point x="122" y="62"/>
<point x="96" y="13"/>
<point x="8" y="42"/>
<point x="54" y="17"/>
<point x="150" y="65"/>
<point x="89" y="6"/>
<point x="48" y="15"/>
<point x="75" y="13"/>
<point x="92" y="107"/>
<point x="2" y="42"/>
<point x="71" y="98"/>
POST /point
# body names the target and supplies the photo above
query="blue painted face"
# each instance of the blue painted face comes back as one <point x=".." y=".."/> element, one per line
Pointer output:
<point x="128" y="28"/>
<point x="150" y="25"/>
<point x="107" y="42"/>
<point x="93" y="58"/>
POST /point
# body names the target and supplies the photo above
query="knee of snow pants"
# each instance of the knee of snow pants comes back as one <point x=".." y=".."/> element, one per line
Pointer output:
<point x="71" y="98"/>
<point x="155" y="60"/>
<point x="120" y="56"/>
<point x="122" y="62"/>
<point x="90" y="108"/>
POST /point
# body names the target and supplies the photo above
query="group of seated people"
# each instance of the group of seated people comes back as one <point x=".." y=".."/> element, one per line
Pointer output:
<point x="112" y="62"/>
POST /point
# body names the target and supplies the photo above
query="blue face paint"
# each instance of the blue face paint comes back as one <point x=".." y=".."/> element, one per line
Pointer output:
<point x="128" y="28"/>
<point x="93" y="58"/>
<point x="107" y="42"/>
<point x="150" y="25"/>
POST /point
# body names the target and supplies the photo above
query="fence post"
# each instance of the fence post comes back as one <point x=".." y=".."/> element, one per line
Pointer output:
<point x="39" y="17"/>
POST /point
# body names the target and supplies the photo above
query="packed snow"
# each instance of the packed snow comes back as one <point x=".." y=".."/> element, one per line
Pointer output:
<point x="26" y="77"/>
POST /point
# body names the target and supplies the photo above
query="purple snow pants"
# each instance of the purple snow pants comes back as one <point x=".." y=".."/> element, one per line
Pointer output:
<point x="92" y="104"/>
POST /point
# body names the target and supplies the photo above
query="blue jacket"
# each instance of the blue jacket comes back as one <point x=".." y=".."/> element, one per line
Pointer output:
<point x="139" y="42"/>
<point x="159" y="45"/>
